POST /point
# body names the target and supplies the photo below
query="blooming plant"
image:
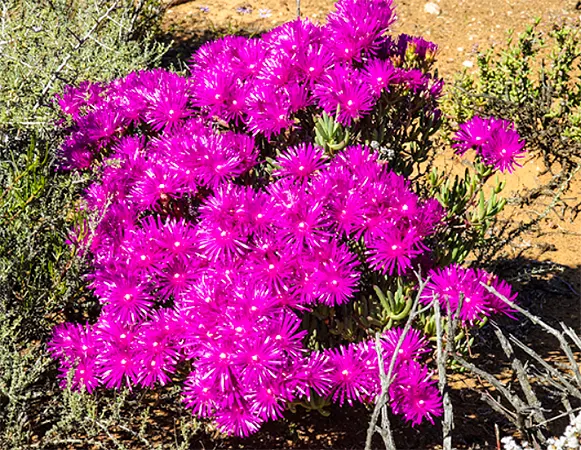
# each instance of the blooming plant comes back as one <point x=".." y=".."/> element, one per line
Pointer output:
<point x="247" y="214"/>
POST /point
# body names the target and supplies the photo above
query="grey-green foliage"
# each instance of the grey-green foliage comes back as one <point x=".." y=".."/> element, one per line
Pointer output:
<point x="20" y="370"/>
<point x="44" y="45"/>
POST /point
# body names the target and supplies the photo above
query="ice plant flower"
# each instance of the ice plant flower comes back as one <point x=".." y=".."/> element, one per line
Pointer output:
<point x="496" y="142"/>
<point x="224" y="229"/>
<point x="460" y="291"/>
<point x="504" y="148"/>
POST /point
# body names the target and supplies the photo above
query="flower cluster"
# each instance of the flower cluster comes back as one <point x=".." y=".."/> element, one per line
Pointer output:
<point x="461" y="291"/>
<point x="220" y="223"/>
<point x="238" y="275"/>
<point x="245" y="369"/>
<point x="496" y="142"/>
<point x="265" y="85"/>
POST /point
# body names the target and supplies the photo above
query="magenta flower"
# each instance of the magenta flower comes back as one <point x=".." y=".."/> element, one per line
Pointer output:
<point x="292" y="39"/>
<point x="126" y="300"/>
<point x="286" y="333"/>
<point x="77" y="348"/>
<point x="414" y="395"/>
<point x="277" y="72"/>
<point x="344" y="92"/>
<point x="237" y="420"/>
<point x="85" y="375"/>
<point x="317" y="375"/>
<point x="348" y="212"/>
<point x="76" y="153"/>
<point x="503" y="148"/>
<point x="348" y="376"/>
<point x="336" y="276"/>
<point x="301" y="162"/>
<point x="453" y="284"/>
<point x="304" y="225"/>
<point x="258" y="360"/>
<point x="221" y="243"/>
<point x="379" y="74"/>
<point x="412" y="347"/>
<point x="269" y="111"/>
<point x="391" y="249"/>
<point x="156" y="349"/>
<point x="168" y="105"/>
<point x="176" y="278"/>
<point x="199" y="395"/>
<point x="117" y="369"/>
<point x="497" y="305"/>
<point x="215" y="92"/>
<point x="74" y="99"/>
<point x="359" y="27"/>
<point x="495" y="141"/>
<point x="267" y="403"/>
<point x="157" y="185"/>
<point x="314" y="62"/>
<point x="472" y="134"/>
<point x="177" y="239"/>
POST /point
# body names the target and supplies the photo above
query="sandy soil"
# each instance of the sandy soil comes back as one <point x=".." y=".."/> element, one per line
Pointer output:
<point x="462" y="26"/>
<point x="460" y="29"/>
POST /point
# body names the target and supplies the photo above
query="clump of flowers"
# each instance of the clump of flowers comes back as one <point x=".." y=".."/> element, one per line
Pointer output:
<point x="461" y="291"/>
<point x="222" y="225"/>
<point x="496" y="142"/>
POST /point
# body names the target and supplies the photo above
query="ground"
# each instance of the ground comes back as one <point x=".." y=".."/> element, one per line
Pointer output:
<point x="462" y="26"/>
<point x="460" y="29"/>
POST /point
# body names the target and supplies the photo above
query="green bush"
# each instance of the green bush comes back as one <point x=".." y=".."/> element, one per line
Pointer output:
<point x="44" y="45"/>
<point x="534" y="82"/>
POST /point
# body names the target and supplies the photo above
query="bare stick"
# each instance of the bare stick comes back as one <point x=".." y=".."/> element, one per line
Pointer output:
<point x="569" y="413"/>
<point x="537" y="321"/>
<point x="568" y="408"/>
<point x="513" y="399"/>
<point x="385" y="429"/>
<point x="566" y="386"/>
<point x="66" y="59"/>
<point x="442" y="358"/>
<point x="521" y="374"/>
<point x="387" y="379"/>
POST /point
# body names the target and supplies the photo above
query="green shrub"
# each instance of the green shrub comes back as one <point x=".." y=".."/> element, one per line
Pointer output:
<point x="44" y="45"/>
<point x="534" y="82"/>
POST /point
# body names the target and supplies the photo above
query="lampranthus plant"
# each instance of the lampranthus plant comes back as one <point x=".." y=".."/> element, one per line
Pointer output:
<point x="222" y="225"/>
<point x="496" y="142"/>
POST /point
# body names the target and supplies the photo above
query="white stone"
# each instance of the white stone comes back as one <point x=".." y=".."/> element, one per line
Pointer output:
<point x="433" y="8"/>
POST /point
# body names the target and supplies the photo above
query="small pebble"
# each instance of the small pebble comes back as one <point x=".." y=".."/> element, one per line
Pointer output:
<point x="432" y="8"/>
<point x="468" y="64"/>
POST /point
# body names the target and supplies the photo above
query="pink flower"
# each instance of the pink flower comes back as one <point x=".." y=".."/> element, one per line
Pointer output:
<point x="392" y="249"/>
<point x="503" y="148"/>
<point x="301" y="162"/>
<point x="343" y="92"/>
<point x="414" y="395"/>
<point x="348" y="376"/>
